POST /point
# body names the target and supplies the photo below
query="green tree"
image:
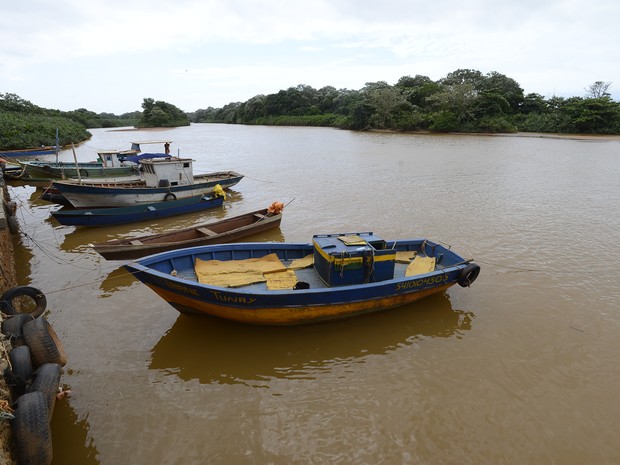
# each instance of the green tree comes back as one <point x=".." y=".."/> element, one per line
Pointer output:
<point x="593" y="115"/>
<point x="533" y="103"/>
<point x="417" y="89"/>
<point x="161" y="114"/>
<point x="454" y="101"/>
<point x="384" y="99"/>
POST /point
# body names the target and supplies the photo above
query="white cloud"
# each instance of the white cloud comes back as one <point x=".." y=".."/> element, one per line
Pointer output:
<point x="85" y="54"/>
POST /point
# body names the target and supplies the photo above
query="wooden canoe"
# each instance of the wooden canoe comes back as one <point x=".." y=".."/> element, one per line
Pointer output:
<point x="218" y="232"/>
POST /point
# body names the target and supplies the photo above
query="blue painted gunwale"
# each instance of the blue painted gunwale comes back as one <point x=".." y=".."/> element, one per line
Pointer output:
<point x="256" y="305"/>
<point x="34" y="152"/>
<point x="142" y="212"/>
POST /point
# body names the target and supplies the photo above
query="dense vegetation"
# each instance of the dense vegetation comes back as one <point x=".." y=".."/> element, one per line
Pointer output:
<point x="25" y="125"/>
<point x="161" y="114"/>
<point x="464" y="101"/>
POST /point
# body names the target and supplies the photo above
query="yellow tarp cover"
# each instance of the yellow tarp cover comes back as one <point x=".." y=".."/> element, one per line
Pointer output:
<point x="300" y="263"/>
<point x="279" y="280"/>
<point x="234" y="273"/>
<point x="352" y="240"/>
<point x="420" y="265"/>
<point x="405" y="257"/>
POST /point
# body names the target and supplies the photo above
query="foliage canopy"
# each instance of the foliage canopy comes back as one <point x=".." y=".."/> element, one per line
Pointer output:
<point x="465" y="100"/>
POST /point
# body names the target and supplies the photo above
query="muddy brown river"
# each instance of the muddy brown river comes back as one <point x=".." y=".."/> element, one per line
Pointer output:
<point x="521" y="368"/>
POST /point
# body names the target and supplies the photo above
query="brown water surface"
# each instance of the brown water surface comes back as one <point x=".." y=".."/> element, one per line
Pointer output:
<point x="520" y="368"/>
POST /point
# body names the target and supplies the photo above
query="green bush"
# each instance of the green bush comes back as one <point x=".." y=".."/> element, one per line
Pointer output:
<point x="19" y="131"/>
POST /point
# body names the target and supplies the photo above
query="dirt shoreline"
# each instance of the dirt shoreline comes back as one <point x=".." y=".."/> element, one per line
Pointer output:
<point x="541" y="135"/>
<point x="8" y="280"/>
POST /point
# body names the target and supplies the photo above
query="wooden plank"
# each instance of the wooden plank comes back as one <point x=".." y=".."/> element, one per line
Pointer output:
<point x="206" y="232"/>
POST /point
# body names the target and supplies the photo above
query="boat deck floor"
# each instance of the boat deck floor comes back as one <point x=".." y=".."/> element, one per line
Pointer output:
<point x="307" y="275"/>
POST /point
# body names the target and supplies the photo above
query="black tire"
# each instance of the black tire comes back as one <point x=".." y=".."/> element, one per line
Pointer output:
<point x="7" y="308"/>
<point x="47" y="380"/>
<point x="13" y="327"/>
<point x="31" y="428"/>
<point x="13" y="224"/>
<point x="170" y="196"/>
<point x="39" y="298"/>
<point x="45" y="347"/>
<point x="468" y="275"/>
<point x="21" y="367"/>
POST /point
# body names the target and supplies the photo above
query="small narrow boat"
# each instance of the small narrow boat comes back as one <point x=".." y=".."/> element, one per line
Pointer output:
<point x="161" y="179"/>
<point x="217" y="232"/>
<point x="32" y="152"/>
<point x="124" y="215"/>
<point x="335" y="276"/>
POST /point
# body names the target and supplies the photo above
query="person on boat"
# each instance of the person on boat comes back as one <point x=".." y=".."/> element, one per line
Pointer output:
<point x="167" y="148"/>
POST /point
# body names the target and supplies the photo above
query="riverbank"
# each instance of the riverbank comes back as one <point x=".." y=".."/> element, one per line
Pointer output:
<point x="538" y="135"/>
<point x="8" y="280"/>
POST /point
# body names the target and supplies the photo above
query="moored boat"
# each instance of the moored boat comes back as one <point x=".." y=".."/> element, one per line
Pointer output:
<point x="32" y="152"/>
<point x="336" y="276"/>
<point x="142" y="212"/>
<point x="109" y="164"/>
<point x="161" y="179"/>
<point x="215" y="232"/>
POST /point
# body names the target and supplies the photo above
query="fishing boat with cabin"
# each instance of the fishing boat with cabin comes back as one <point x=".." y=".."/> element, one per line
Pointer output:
<point x="110" y="164"/>
<point x="336" y="276"/>
<point x="161" y="179"/>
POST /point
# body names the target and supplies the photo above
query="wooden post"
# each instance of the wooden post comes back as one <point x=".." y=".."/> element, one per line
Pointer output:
<point x="77" y="167"/>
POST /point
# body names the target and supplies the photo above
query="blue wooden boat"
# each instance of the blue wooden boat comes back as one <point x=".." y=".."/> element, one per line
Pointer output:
<point x="295" y="283"/>
<point x="142" y="212"/>
<point x="33" y="152"/>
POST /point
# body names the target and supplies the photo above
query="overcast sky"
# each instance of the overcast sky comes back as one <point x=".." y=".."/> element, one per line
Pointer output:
<point x="108" y="55"/>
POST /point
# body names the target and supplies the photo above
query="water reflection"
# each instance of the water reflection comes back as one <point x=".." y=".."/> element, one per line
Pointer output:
<point x="117" y="280"/>
<point x="217" y="351"/>
<point x="70" y="437"/>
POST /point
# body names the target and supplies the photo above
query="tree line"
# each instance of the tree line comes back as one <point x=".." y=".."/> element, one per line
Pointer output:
<point x="25" y="125"/>
<point x="464" y="101"/>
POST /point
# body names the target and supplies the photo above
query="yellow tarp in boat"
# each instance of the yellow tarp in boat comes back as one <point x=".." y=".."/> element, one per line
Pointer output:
<point x="420" y="265"/>
<point x="300" y="263"/>
<point x="353" y="239"/>
<point x="280" y="280"/>
<point x="235" y="273"/>
<point x="405" y="257"/>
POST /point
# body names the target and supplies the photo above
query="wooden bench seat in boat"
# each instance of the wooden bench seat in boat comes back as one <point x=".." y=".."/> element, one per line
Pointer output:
<point x="206" y="232"/>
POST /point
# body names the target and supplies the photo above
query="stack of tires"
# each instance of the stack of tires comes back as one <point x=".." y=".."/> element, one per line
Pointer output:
<point x="36" y="361"/>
